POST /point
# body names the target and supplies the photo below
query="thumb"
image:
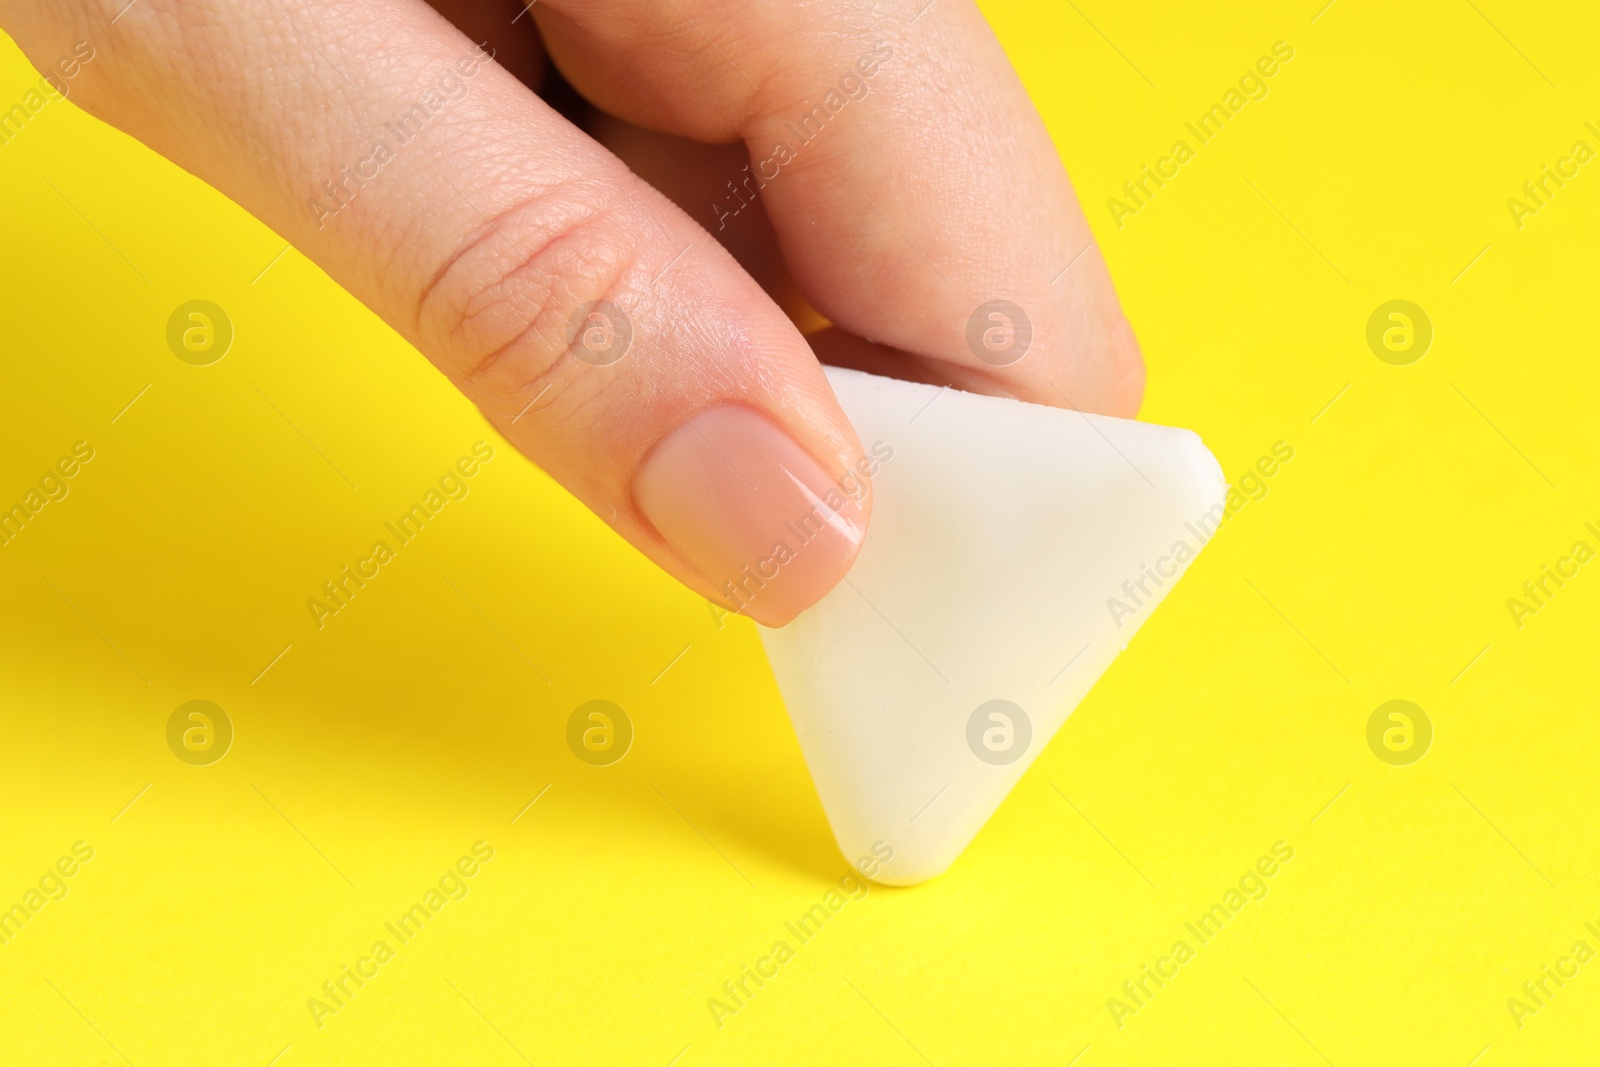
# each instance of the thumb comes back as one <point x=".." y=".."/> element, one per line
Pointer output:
<point x="603" y="332"/>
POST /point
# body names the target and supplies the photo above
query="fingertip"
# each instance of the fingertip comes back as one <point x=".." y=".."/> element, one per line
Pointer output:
<point x="754" y="513"/>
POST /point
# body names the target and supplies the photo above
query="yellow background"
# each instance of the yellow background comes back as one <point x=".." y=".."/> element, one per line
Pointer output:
<point x="417" y="722"/>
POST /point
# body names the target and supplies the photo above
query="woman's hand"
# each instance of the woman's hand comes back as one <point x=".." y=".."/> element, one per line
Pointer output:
<point x="899" y="182"/>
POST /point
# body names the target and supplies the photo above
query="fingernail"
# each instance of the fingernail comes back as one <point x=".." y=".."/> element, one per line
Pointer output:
<point x="752" y="511"/>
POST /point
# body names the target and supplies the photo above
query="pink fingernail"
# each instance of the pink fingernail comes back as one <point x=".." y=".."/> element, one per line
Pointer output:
<point x="752" y="511"/>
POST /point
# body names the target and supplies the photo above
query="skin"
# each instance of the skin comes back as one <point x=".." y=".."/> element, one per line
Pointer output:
<point x="935" y="192"/>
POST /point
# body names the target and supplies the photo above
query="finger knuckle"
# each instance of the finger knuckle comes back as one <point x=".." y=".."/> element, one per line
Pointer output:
<point x="500" y="310"/>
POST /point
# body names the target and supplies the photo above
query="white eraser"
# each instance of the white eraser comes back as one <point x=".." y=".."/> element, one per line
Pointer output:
<point x="1013" y="551"/>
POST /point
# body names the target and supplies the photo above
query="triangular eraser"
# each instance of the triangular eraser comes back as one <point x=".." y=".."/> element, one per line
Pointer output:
<point x="1013" y="550"/>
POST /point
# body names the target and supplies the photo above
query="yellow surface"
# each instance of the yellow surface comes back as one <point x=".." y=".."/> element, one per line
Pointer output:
<point x="421" y="719"/>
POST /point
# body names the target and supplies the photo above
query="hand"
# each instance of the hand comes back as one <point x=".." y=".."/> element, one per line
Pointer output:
<point x="899" y="181"/>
